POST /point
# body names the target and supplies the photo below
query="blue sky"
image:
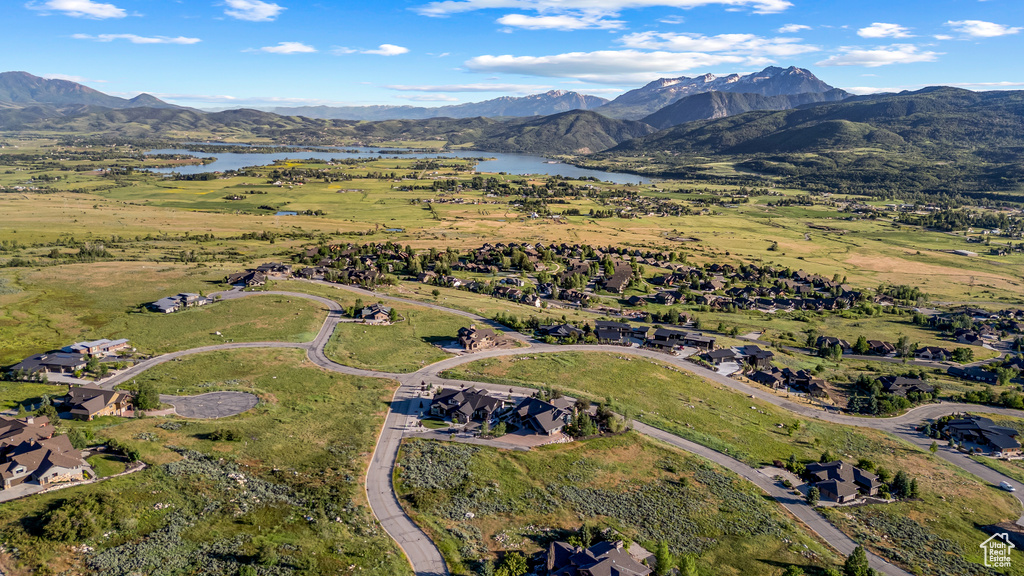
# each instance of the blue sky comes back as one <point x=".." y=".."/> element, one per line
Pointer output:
<point x="231" y="53"/>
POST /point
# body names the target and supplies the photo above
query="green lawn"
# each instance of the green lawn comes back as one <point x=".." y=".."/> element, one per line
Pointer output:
<point x="647" y="491"/>
<point x="291" y="482"/>
<point x="953" y="503"/>
<point x="106" y="464"/>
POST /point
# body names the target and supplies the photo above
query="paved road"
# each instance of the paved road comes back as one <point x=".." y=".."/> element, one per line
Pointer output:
<point x="421" y="552"/>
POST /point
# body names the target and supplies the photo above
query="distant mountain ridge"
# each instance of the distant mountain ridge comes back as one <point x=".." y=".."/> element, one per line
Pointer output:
<point x="772" y="81"/>
<point x="551" y="102"/>
<point x="932" y="122"/>
<point x="22" y="89"/>
<point x="713" y="105"/>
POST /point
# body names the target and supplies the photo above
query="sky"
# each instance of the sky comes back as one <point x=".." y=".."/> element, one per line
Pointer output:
<point x="262" y="53"/>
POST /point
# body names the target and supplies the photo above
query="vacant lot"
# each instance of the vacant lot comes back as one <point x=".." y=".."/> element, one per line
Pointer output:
<point x="648" y="492"/>
<point x="953" y="504"/>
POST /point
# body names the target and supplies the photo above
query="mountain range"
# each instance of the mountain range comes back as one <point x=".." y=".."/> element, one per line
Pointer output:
<point x="772" y="81"/>
<point x="19" y="89"/>
<point x="551" y="102"/>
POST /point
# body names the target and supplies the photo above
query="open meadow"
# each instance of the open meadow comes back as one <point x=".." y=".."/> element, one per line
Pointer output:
<point x="953" y="504"/>
<point x="647" y="492"/>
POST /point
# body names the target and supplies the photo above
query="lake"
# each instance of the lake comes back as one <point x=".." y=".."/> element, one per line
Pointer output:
<point x="521" y="164"/>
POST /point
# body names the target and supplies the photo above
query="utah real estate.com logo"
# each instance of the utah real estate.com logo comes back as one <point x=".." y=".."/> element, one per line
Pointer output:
<point x="997" y="550"/>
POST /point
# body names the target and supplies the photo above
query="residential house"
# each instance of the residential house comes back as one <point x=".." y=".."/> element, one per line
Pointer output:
<point x="981" y="434"/>
<point x="375" y="314"/>
<point x="44" y="461"/>
<point x="756" y="358"/>
<point x="561" y="331"/>
<point x="975" y="373"/>
<point x="901" y="385"/>
<point x="52" y="362"/>
<point x="465" y="405"/>
<point x="620" y="278"/>
<point x="699" y="341"/>
<point x="546" y="418"/>
<point x="665" y="338"/>
<point x="179" y="302"/>
<point x="933" y="353"/>
<point x="601" y="559"/>
<point x="831" y="341"/>
<point x="275" y="270"/>
<point x="249" y="278"/>
<point x="609" y="326"/>
<point x="842" y="482"/>
<point x="880" y="348"/>
<point x="87" y="402"/>
<point x="473" y="338"/>
<point x="722" y="356"/>
<point x="97" y="348"/>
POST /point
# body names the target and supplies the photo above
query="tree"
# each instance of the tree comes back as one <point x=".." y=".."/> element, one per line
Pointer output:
<point x="435" y="293"/>
<point x="861" y="347"/>
<point x="793" y="570"/>
<point x="662" y="559"/>
<point x="688" y="566"/>
<point x="857" y="563"/>
<point x="826" y="456"/>
<point x="513" y="564"/>
<point x="147" y="398"/>
<point x="49" y="412"/>
<point x="499" y="430"/>
<point x="963" y="355"/>
<point x="900" y="485"/>
<point x="266" y="552"/>
<point x="934" y="447"/>
<point x="813" y="495"/>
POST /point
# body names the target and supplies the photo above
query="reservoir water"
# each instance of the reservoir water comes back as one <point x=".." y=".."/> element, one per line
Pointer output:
<point x="521" y="164"/>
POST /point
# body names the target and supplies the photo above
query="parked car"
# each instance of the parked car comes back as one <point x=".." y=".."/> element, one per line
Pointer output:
<point x="1006" y="486"/>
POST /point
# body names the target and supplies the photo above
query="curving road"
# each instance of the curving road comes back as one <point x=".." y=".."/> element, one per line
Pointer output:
<point x="420" y="550"/>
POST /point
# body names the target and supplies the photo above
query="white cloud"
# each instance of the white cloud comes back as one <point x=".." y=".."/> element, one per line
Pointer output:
<point x="382" y="50"/>
<point x="881" y="56"/>
<point x="791" y="28"/>
<point x="560" y="22"/>
<point x="387" y="50"/>
<point x="135" y="39"/>
<point x="516" y="88"/>
<point x="884" y="30"/>
<point x="672" y="20"/>
<point x="597" y="7"/>
<point x="608" y="66"/>
<point x="71" y="78"/>
<point x="981" y="29"/>
<point x="727" y="43"/>
<point x="286" y="48"/>
<point x="80" y="8"/>
<point x="943" y="37"/>
<point x="253" y="10"/>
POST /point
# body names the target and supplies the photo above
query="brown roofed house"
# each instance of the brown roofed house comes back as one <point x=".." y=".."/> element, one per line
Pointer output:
<point x="87" y="402"/>
<point x="473" y="338"/>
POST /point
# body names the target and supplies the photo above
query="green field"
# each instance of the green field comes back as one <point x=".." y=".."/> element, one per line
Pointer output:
<point x="301" y="454"/>
<point x="953" y="503"/>
<point x="646" y="491"/>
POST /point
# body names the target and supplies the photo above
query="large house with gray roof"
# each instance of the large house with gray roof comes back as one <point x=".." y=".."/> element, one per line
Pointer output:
<point x="601" y="559"/>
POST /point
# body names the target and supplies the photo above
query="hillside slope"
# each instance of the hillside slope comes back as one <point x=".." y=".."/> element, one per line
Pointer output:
<point x="24" y="89"/>
<point x="713" y="105"/>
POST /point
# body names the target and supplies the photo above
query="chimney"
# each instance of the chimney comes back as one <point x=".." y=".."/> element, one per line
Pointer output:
<point x="30" y="420"/>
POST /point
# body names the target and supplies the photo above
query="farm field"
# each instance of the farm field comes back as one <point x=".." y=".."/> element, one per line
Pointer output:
<point x="952" y="506"/>
<point x="523" y="500"/>
<point x="298" y="504"/>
